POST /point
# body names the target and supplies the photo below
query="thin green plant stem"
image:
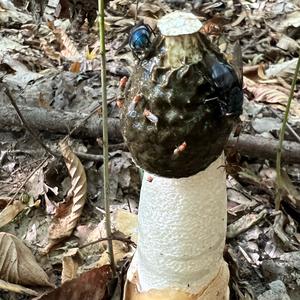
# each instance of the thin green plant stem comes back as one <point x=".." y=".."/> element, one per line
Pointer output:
<point x="281" y="138"/>
<point x="105" y="135"/>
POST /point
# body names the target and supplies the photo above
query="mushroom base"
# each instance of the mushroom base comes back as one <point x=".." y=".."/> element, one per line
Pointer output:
<point x="216" y="290"/>
<point x="181" y="237"/>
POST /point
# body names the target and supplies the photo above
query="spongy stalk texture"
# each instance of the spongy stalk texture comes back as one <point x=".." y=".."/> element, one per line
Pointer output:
<point x="182" y="225"/>
<point x="182" y="50"/>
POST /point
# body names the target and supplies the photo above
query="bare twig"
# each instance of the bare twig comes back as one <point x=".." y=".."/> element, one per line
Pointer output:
<point x="124" y="240"/>
<point x="38" y="140"/>
<point x="94" y="110"/>
<point x="281" y="138"/>
<point x="85" y="119"/>
<point x="105" y="135"/>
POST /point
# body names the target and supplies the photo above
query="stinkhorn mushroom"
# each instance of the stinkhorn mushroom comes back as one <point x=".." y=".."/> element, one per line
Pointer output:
<point x="180" y="105"/>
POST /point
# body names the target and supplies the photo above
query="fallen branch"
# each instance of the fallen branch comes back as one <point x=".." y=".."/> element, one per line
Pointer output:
<point x="33" y="134"/>
<point x="63" y="122"/>
<point x="257" y="146"/>
<point x="58" y="122"/>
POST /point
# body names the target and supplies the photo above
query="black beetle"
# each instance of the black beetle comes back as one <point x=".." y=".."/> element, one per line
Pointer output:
<point x="140" y="39"/>
<point x="227" y="85"/>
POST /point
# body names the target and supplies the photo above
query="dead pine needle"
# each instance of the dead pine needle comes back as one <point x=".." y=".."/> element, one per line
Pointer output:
<point x="105" y="135"/>
<point x="281" y="138"/>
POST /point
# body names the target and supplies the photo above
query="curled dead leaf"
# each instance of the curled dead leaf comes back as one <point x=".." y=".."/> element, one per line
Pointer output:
<point x="69" y="50"/>
<point x="261" y="72"/>
<point x="69" y="212"/>
<point x="17" y="263"/>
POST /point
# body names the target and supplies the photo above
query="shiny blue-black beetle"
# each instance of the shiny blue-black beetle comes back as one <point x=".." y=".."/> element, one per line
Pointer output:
<point x="227" y="84"/>
<point x="140" y="39"/>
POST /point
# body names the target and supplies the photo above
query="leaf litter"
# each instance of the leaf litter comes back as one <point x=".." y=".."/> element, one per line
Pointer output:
<point x="55" y="66"/>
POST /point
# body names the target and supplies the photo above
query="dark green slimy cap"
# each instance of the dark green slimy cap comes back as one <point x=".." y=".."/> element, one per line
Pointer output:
<point x="177" y="128"/>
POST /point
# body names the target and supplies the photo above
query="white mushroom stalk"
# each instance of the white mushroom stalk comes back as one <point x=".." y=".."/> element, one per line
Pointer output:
<point x="176" y="132"/>
<point x="182" y="228"/>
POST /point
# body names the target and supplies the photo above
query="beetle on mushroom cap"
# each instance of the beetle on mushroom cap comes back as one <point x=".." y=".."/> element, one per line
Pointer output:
<point x="175" y="82"/>
<point x="140" y="39"/>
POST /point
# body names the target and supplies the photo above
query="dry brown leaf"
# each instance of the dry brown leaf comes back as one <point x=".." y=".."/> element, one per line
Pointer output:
<point x="238" y="202"/>
<point x="287" y="20"/>
<point x="97" y="233"/>
<point x="121" y="251"/>
<point x="261" y="72"/>
<point x="70" y="266"/>
<point x="285" y="70"/>
<point x="75" y="67"/>
<point x="155" y="9"/>
<point x="239" y="19"/>
<point x="10" y="212"/>
<point x="16" y="288"/>
<point x="273" y="94"/>
<point x="49" y="51"/>
<point x="288" y="44"/>
<point x="244" y="223"/>
<point x="123" y="23"/>
<point x="90" y="285"/>
<point x="35" y="185"/>
<point x="69" y="49"/>
<point x="150" y="21"/>
<point x="4" y="201"/>
<point x="17" y="264"/>
<point x="265" y="93"/>
<point x="126" y="222"/>
<point x="213" y="26"/>
<point x="41" y="102"/>
<point x="114" y="21"/>
<point x="68" y="213"/>
<point x="84" y="231"/>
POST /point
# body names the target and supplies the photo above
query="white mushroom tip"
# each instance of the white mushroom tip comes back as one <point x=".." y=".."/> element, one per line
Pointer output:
<point x="179" y="23"/>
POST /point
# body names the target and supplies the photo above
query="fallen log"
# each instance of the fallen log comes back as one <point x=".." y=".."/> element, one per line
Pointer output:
<point x="61" y="122"/>
<point x="54" y="121"/>
<point x="260" y="147"/>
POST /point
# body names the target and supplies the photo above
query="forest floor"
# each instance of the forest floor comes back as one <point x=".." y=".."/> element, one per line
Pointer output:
<point x="50" y="73"/>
